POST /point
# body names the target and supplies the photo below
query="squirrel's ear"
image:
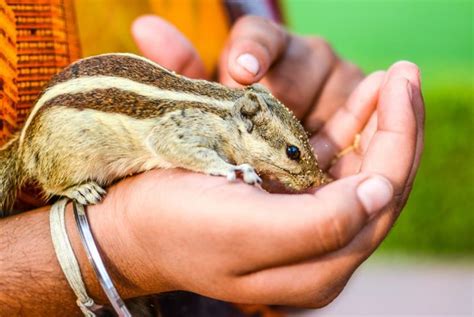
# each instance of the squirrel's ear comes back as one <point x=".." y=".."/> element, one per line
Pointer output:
<point x="250" y="108"/>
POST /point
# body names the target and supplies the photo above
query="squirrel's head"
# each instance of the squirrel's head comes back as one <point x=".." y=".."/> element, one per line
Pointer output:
<point x="276" y="142"/>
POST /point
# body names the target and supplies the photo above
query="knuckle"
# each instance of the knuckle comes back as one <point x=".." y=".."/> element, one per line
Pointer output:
<point x="352" y="69"/>
<point x="321" y="46"/>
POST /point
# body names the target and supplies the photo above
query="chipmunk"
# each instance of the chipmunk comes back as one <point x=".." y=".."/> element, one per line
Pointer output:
<point x="109" y="116"/>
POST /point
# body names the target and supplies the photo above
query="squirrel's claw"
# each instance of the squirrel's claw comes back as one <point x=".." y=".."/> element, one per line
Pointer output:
<point x="86" y="194"/>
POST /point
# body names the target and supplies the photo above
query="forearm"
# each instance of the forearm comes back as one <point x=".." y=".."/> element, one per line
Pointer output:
<point x="31" y="280"/>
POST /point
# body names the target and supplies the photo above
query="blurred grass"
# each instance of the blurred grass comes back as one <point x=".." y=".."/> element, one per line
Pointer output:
<point x="438" y="36"/>
<point x="439" y="216"/>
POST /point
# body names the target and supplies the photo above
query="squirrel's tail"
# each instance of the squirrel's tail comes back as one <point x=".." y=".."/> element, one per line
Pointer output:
<point x="10" y="175"/>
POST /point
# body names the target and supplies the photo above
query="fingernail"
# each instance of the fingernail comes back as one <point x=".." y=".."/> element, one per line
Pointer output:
<point x="375" y="193"/>
<point x="249" y="63"/>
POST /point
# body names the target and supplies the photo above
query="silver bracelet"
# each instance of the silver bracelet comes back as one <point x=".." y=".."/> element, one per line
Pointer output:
<point x="96" y="261"/>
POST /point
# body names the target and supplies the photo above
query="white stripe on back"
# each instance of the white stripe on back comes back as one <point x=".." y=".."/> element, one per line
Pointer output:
<point x="87" y="84"/>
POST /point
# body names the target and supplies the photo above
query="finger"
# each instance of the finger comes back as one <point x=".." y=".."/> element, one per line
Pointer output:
<point x="412" y="73"/>
<point x="300" y="74"/>
<point x="392" y="148"/>
<point x="310" y="284"/>
<point x="304" y="226"/>
<point x="420" y="118"/>
<point x="163" y="43"/>
<point x="340" y="130"/>
<point x="342" y="81"/>
<point x="255" y="43"/>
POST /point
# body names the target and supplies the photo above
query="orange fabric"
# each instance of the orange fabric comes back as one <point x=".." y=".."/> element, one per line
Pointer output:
<point x="204" y="23"/>
<point x="8" y="72"/>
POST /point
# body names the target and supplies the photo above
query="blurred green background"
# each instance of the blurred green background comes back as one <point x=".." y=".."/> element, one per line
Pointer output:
<point x="438" y="36"/>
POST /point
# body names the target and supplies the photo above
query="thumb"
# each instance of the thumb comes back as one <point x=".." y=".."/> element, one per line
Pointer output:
<point x="163" y="43"/>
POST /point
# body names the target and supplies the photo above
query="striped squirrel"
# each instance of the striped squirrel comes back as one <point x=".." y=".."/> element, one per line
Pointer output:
<point x="108" y="116"/>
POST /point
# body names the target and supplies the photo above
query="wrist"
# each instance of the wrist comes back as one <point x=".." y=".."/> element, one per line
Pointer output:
<point x="124" y="260"/>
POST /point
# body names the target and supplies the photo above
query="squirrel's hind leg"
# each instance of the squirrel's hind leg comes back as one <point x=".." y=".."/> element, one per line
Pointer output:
<point x="89" y="193"/>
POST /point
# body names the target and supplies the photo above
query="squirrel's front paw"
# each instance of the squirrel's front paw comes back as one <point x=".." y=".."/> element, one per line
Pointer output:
<point x="248" y="174"/>
<point x="230" y="172"/>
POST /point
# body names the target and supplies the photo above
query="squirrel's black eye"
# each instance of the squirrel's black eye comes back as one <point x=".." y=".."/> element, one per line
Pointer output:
<point x="293" y="152"/>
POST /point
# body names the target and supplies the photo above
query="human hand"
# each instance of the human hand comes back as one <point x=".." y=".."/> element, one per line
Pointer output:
<point x="238" y="243"/>
<point x="304" y="72"/>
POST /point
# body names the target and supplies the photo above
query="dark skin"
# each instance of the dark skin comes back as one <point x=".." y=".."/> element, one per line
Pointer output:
<point x="175" y="230"/>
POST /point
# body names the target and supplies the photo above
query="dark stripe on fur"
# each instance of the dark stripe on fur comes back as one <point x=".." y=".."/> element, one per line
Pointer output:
<point x="114" y="100"/>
